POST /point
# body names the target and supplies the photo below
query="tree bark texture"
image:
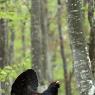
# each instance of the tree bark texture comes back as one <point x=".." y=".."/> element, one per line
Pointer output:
<point x="36" y="38"/>
<point x="82" y="64"/>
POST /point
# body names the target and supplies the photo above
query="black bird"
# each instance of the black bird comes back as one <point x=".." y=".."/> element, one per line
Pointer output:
<point x="27" y="83"/>
<point x="52" y="89"/>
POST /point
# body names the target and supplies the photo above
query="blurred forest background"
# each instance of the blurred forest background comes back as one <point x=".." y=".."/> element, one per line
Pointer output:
<point x="34" y="34"/>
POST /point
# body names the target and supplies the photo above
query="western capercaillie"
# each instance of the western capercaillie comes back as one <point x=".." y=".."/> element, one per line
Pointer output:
<point x="27" y="83"/>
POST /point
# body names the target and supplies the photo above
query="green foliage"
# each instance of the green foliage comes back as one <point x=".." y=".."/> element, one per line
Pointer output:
<point x="17" y="12"/>
<point x="12" y="71"/>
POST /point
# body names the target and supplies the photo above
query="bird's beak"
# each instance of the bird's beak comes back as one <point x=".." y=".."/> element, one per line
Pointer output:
<point x="57" y="82"/>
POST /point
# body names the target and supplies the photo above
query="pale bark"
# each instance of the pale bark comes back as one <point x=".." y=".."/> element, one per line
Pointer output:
<point x="82" y="63"/>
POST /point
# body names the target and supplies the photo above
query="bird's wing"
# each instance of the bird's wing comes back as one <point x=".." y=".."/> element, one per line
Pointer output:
<point x="27" y="78"/>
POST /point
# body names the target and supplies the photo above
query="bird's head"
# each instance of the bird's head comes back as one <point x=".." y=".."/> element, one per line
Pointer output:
<point x="55" y="84"/>
<point x="53" y="87"/>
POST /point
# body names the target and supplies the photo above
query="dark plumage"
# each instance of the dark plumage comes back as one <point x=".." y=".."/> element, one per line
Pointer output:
<point x="26" y="84"/>
<point x="52" y="89"/>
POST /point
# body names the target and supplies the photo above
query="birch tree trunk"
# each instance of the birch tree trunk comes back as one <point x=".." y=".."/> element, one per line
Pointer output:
<point x="82" y="67"/>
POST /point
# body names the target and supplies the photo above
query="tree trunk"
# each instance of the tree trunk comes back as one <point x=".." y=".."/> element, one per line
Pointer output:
<point x="47" y="66"/>
<point x="82" y="67"/>
<point x="11" y="47"/>
<point x="67" y="92"/>
<point x="3" y="48"/>
<point x="36" y="38"/>
<point x="23" y="40"/>
<point x="91" y="20"/>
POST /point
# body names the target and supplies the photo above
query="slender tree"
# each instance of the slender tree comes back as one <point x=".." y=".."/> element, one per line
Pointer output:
<point x="11" y="46"/>
<point x="3" y="48"/>
<point x="47" y="66"/>
<point x="82" y="64"/>
<point x="59" y="13"/>
<point x="91" y="19"/>
<point x="36" y="38"/>
<point x="23" y="39"/>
